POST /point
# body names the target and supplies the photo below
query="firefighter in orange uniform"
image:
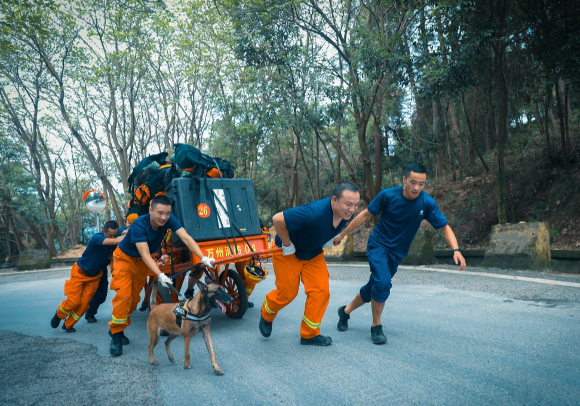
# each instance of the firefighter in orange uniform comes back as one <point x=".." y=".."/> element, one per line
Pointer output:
<point x="302" y="232"/>
<point x="132" y="260"/>
<point x="85" y="276"/>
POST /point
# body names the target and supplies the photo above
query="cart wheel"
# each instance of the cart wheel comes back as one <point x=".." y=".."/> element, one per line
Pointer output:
<point x="163" y="295"/>
<point x="236" y="289"/>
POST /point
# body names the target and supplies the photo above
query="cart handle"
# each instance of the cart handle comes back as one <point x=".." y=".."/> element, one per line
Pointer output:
<point x="235" y="258"/>
<point x="228" y="260"/>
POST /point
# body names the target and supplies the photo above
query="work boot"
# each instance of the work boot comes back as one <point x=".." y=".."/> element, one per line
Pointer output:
<point x="343" y="318"/>
<point x="164" y="333"/>
<point x="143" y="306"/>
<point x="377" y="334"/>
<point x="124" y="338"/>
<point x="250" y="304"/>
<point x="116" y="348"/>
<point x="68" y="330"/>
<point x="319" y="341"/>
<point x="90" y="319"/>
<point x="265" y="327"/>
<point x="55" y="321"/>
<point x="188" y="294"/>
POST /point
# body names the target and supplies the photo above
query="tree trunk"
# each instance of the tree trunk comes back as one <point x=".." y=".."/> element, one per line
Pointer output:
<point x="501" y="134"/>
<point x="562" y="130"/>
<point x="35" y="231"/>
<point x="16" y="234"/>
<point x="456" y="132"/>
<point x="378" y="150"/>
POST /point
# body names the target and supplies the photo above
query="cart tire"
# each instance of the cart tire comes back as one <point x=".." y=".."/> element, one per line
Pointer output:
<point x="163" y="295"/>
<point x="234" y="285"/>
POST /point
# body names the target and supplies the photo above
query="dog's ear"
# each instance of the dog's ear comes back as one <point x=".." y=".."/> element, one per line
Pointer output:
<point x="208" y="280"/>
<point x="202" y="286"/>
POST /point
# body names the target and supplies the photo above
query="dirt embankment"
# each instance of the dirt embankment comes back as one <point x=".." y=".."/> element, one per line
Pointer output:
<point x="74" y="252"/>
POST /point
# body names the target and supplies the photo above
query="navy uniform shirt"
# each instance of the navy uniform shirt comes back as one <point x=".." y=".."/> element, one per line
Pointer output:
<point x="310" y="227"/>
<point x="401" y="218"/>
<point x="141" y="231"/>
<point x="96" y="256"/>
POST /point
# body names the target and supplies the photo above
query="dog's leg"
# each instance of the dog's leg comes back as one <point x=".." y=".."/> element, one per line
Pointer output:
<point x="186" y="342"/>
<point x="207" y="338"/>
<point x="153" y="340"/>
<point x="167" y="348"/>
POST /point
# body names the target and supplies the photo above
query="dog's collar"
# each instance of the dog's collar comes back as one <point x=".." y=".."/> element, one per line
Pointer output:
<point x="181" y="313"/>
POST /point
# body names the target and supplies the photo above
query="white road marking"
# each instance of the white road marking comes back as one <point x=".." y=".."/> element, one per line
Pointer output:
<point x="486" y="274"/>
<point x="27" y="272"/>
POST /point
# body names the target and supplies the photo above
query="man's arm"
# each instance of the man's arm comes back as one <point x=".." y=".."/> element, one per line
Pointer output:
<point x="143" y="249"/>
<point x="452" y="242"/>
<point x="358" y="221"/>
<point x="113" y="241"/>
<point x="281" y="229"/>
<point x="189" y="242"/>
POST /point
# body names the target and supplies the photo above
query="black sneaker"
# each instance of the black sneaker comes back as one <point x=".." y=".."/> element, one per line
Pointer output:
<point x="68" y="330"/>
<point x="343" y="318"/>
<point x="55" y="321"/>
<point x="319" y="341"/>
<point x="90" y="319"/>
<point x="250" y="304"/>
<point x="377" y="335"/>
<point x="188" y="294"/>
<point x="265" y="327"/>
<point x="123" y="337"/>
<point x="116" y="348"/>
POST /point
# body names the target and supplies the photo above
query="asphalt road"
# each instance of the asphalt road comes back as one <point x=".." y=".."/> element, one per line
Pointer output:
<point x="454" y="339"/>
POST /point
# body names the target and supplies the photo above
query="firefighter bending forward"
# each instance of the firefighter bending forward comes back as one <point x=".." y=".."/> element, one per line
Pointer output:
<point x="302" y="232"/>
<point x="132" y="260"/>
<point x="85" y="277"/>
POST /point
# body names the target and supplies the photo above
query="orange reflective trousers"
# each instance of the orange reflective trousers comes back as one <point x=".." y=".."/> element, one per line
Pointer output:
<point x="79" y="290"/>
<point x="129" y="277"/>
<point x="289" y="271"/>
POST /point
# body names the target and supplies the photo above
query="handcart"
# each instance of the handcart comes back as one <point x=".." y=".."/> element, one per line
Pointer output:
<point x="222" y="216"/>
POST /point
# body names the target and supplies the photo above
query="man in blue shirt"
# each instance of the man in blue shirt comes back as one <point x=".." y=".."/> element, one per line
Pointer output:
<point x="101" y="294"/>
<point x="132" y="260"/>
<point x="85" y="276"/>
<point x="402" y="210"/>
<point x="302" y="232"/>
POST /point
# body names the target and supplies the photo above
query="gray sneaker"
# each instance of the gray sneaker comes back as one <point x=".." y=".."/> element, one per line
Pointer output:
<point x="377" y="335"/>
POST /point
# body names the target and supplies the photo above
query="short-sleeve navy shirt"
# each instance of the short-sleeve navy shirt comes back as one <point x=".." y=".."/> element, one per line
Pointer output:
<point x="141" y="231"/>
<point x="96" y="255"/>
<point x="401" y="218"/>
<point x="310" y="227"/>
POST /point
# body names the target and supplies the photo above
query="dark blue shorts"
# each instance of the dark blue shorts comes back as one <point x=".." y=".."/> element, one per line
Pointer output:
<point x="383" y="267"/>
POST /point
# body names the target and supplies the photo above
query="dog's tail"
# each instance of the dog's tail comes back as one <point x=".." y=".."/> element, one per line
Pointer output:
<point x="153" y="296"/>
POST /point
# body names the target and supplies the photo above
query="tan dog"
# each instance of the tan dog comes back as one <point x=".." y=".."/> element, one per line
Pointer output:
<point x="163" y="316"/>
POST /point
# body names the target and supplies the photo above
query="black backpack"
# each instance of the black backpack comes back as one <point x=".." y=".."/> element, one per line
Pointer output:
<point x="189" y="158"/>
<point x="160" y="158"/>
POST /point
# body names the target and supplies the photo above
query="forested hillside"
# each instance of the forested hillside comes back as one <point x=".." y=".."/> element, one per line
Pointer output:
<point x="297" y="95"/>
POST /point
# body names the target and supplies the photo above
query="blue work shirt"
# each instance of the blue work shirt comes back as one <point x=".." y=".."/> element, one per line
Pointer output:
<point x="310" y="227"/>
<point x="141" y="231"/>
<point x="401" y="218"/>
<point x="96" y="255"/>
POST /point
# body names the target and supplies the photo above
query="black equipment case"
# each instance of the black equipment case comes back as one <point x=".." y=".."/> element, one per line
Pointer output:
<point x="199" y="204"/>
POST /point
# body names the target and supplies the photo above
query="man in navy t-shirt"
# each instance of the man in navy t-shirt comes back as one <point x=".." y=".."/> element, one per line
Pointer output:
<point x="85" y="276"/>
<point x="302" y="232"/>
<point x="101" y="294"/>
<point x="132" y="260"/>
<point x="402" y="210"/>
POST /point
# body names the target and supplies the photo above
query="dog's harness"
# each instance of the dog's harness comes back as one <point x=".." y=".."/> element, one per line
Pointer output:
<point x="182" y="314"/>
